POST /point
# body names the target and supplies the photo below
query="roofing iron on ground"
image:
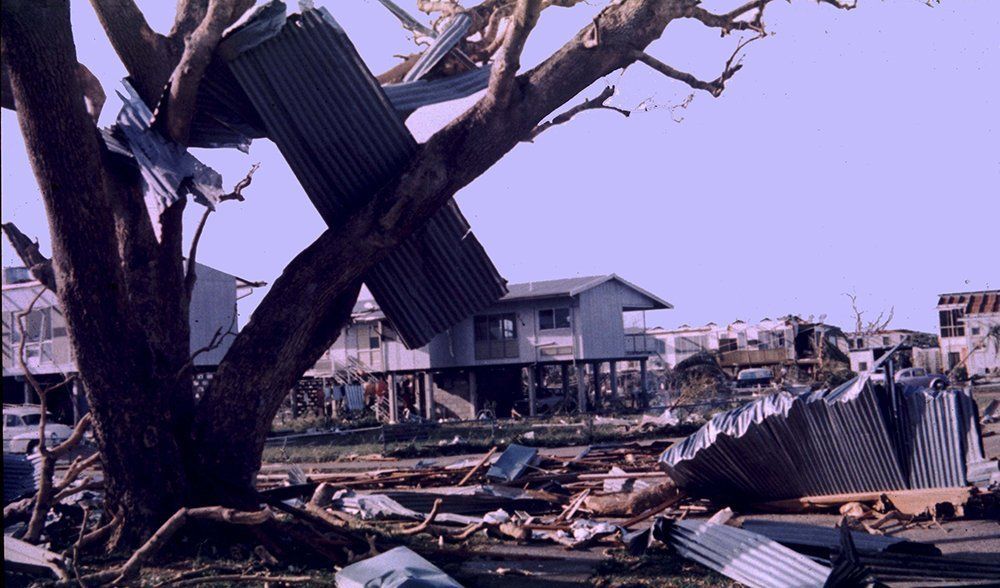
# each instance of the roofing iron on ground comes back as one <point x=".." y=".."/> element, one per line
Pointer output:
<point x="746" y="557"/>
<point x="803" y="537"/>
<point x="344" y="140"/>
<point x="846" y="440"/>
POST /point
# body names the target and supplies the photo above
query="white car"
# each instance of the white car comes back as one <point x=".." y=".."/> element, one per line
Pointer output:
<point x="20" y="428"/>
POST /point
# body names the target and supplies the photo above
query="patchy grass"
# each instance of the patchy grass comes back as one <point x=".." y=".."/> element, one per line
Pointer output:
<point x="658" y="567"/>
<point x="459" y="438"/>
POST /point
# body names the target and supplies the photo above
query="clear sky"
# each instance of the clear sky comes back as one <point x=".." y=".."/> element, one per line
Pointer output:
<point x="855" y="151"/>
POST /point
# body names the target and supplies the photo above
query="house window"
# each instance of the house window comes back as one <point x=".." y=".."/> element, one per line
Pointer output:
<point x="553" y="318"/>
<point x="885" y="341"/>
<point x="727" y="345"/>
<point x="862" y="366"/>
<point x="952" y="322"/>
<point x="954" y="358"/>
<point x="368" y="337"/>
<point x="975" y="330"/>
<point x="496" y="336"/>
<point x="37" y="335"/>
<point x="552" y="350"/>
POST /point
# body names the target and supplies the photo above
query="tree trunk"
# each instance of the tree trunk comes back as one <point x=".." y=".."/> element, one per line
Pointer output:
<point x="124" y="376"/>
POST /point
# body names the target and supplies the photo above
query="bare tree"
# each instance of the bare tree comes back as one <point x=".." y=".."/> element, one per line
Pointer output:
<point x="864" y="328"/>
<point x="124" y="292"/>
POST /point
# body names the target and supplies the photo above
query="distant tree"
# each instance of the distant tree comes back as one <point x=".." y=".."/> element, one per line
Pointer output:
<point x="125" y="294"/>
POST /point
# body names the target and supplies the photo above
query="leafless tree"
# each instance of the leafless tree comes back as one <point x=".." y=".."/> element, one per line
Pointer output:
<point x="124" y="292"/>
<point x="864" y="328"/>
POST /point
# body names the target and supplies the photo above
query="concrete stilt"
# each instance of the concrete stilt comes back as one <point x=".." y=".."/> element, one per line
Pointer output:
<point x="393" y="400"/>
<point x="613" y="379"/>
<point x="532" y="374"/>
<point x="431" y="411"/>
<point x="473" y="394"/>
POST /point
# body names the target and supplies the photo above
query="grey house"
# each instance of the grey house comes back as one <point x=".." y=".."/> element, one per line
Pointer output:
<point x="536" y="333"/>
<point x="46" y="345"/>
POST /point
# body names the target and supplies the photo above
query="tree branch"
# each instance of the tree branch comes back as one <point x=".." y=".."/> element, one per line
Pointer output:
<point x="597" y="102"/>
<point x="731" y="20"/>
<point x="199" y="49"/>
<point x="191" y="276"/>
<point x="39" y="265"/>
<point x="147" y="55"/>
<point x="716" y="86"/>
<point x="522" y="21"/>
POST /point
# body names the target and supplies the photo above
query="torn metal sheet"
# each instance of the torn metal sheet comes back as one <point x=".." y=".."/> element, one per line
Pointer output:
<point x="168" y="171"/>
<point x="838" y="441"/>
<point x="343" y="140"/>
<point x="457" y="27"/>
<point x="18" y="476"/>
<point x="512" y="463"/>
<point x="395" y="568"/>
<point x="382" y="506"/>
<point x="25" y="558"/>
<point x="824" y="540"/>
<point x="746" y="557"/>
<point x="472" y="500"/>
<point x="409" y="96"/>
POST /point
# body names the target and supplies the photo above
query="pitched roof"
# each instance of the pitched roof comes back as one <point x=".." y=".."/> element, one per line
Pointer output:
<point x="572" y="287"/>
<point x="369" y="309"/>
<point x="985" y="302"/>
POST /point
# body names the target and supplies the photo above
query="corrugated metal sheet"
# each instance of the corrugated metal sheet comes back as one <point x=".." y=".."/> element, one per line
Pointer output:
<point x="343" y="140"/>
<point x="830" y="442"/>
<point x="168" y="171"/>
<point x="18" y="476"/>
<point x="409" y="96"/>
<point x="827" y="539"/>
<point x="746" y="557"/>
<point x="457" y="27"/>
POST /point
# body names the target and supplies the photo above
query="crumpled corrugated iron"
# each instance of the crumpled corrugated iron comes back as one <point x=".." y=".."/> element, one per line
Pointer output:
<point x="748" y="558"/>
<point x="824" y="540"/>
<point x="18" y="476"/>
<point x="846" y="440"/>
<point x="396" y="568"/>
<point x="344" y="140"/>
<point x="168" y="171"/>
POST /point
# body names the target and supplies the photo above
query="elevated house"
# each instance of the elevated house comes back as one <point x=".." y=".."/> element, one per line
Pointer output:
<point x="49" y="355"/>
<point x="966" y="320"/>
<point x="531" y="338"/>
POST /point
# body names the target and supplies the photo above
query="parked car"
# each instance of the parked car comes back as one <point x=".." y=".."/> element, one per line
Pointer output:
<point x="754" y="378"/>
<point x="921" y="377"/>
<point x="20" y="428"/>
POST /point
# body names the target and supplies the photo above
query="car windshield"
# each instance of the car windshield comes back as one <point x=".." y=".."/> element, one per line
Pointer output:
<point x="31" y="419"/>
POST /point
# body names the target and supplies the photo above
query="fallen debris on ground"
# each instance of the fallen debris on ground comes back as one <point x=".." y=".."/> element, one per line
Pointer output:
<point x="397" y="567"/>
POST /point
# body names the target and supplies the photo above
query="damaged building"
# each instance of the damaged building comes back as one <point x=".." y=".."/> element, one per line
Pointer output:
<point x="969" y="322"/>
<point x="786" y="343"/>
<point x="919" y="350"/>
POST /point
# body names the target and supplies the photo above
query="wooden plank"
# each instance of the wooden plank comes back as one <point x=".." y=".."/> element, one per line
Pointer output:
<point x="905" y="501"/>
<point x="478" y="466"/>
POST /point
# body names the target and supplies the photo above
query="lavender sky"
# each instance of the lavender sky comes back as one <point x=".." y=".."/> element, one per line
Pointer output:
<point x="855" y="152"/>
